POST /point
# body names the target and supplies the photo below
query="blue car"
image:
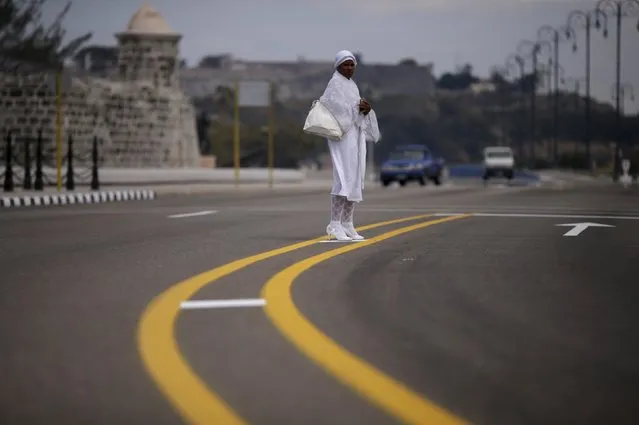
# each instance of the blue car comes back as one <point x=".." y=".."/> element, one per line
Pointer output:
<point x="411" y="162"/>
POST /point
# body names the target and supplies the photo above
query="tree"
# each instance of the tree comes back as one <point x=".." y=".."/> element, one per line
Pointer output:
<point x="465" y="70"/>
<point x="202" y="125"/>
<point x="462" y="79"/>
<point x="526" y="82"/>
<point x="24" y="39"/>
<point x="408" y="62"/>
<point x="497" y="78"/>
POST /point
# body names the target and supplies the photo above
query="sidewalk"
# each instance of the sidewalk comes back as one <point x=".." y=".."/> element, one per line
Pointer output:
<point x="569" y="178"/>
<point x="84" y="195"/>
<point x="164" y="176"/>
<point x="203" y="188"/>
<point x="122" y="184"/>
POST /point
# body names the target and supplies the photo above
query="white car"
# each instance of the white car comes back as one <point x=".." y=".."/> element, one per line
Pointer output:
<point x="499" y="161"/>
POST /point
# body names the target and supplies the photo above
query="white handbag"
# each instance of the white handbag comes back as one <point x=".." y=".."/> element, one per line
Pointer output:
<point x="321" y="122"/>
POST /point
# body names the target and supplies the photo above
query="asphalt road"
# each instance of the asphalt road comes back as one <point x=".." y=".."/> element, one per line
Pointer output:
<point x="494" y="317"/>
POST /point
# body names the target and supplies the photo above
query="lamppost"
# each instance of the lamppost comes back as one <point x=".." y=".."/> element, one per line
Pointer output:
<point x="503" y="98"/>
<point x="574" y="84"/>
<point x="547" y="72"/>
<point x="514" y="63"/>
<point x="625" y="89"/>
<point x="555" y="35"/>
<point x="585" y="19"/>
<point x="527" y="48"/>
<point x="619" y="9"/>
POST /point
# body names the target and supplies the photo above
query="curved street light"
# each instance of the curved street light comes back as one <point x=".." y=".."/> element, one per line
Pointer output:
<point x="555" y="35"/>
<point x="586" y="20"/>
<point x="502" y="96"/>
<point x="547" y="70"/>
<point x="575" y="84"/>
<point x="533" y="49"/>
<point x="619" y="9"/>
<point x="530" y="49"/>
<point x="516" y="63"/>
<point x="625" y="89"/>
<point x="515" y="60"/>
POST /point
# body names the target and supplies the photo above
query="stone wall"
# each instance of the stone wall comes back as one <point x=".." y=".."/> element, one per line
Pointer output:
<point x="140" y="124"/>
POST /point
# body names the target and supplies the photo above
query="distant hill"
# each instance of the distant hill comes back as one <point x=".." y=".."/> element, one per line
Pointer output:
<point x="454" y="124"/>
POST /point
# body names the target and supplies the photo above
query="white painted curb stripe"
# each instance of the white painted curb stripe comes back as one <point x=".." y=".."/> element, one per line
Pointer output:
<point x="76" y="198"/>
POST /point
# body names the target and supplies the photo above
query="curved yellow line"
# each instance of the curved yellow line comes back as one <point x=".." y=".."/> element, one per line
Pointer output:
<point x="382" y="390"/>
<point x="161" y="356"/>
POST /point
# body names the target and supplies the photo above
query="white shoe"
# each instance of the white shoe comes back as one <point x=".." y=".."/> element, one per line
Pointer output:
<point x="337" y="231"/>
<point x="350" y="231"/>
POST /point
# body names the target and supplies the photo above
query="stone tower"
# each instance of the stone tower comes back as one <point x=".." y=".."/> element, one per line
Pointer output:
<point x="142" y="116"/>
<point x="148" y="49"/>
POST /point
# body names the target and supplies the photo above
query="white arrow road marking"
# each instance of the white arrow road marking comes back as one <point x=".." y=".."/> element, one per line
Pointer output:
<point x="203" y="304"/>
<point x="577" y="228"/>
<point x="193" y="214"/>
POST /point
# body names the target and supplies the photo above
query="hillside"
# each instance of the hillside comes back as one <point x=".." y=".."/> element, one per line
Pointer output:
<point x="456" y="125"/>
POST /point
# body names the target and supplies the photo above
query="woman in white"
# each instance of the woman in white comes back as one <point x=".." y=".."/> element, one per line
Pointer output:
<point x="348" y="155"/>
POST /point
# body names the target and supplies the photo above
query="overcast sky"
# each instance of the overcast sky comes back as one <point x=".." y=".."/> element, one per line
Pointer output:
<point x="445" y="32"/>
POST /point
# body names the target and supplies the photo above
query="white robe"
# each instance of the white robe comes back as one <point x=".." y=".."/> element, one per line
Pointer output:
<point x="348" y="154"/>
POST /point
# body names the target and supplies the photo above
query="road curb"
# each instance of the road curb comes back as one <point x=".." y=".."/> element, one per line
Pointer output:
<point x="43" y="200"/>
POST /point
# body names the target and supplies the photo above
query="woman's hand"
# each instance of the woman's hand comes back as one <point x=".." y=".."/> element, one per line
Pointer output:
<point x="364" y="107"/>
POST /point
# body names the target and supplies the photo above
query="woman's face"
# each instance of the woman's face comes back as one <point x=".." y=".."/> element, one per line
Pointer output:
<point x="347" y="69"/>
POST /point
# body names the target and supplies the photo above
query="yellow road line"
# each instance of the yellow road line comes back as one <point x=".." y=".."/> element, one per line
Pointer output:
<point x="187" y="393"/>
<point x="380" y="389"/>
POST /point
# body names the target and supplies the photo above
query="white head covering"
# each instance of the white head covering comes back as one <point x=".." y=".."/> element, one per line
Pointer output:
<point x="344" y="55"/>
